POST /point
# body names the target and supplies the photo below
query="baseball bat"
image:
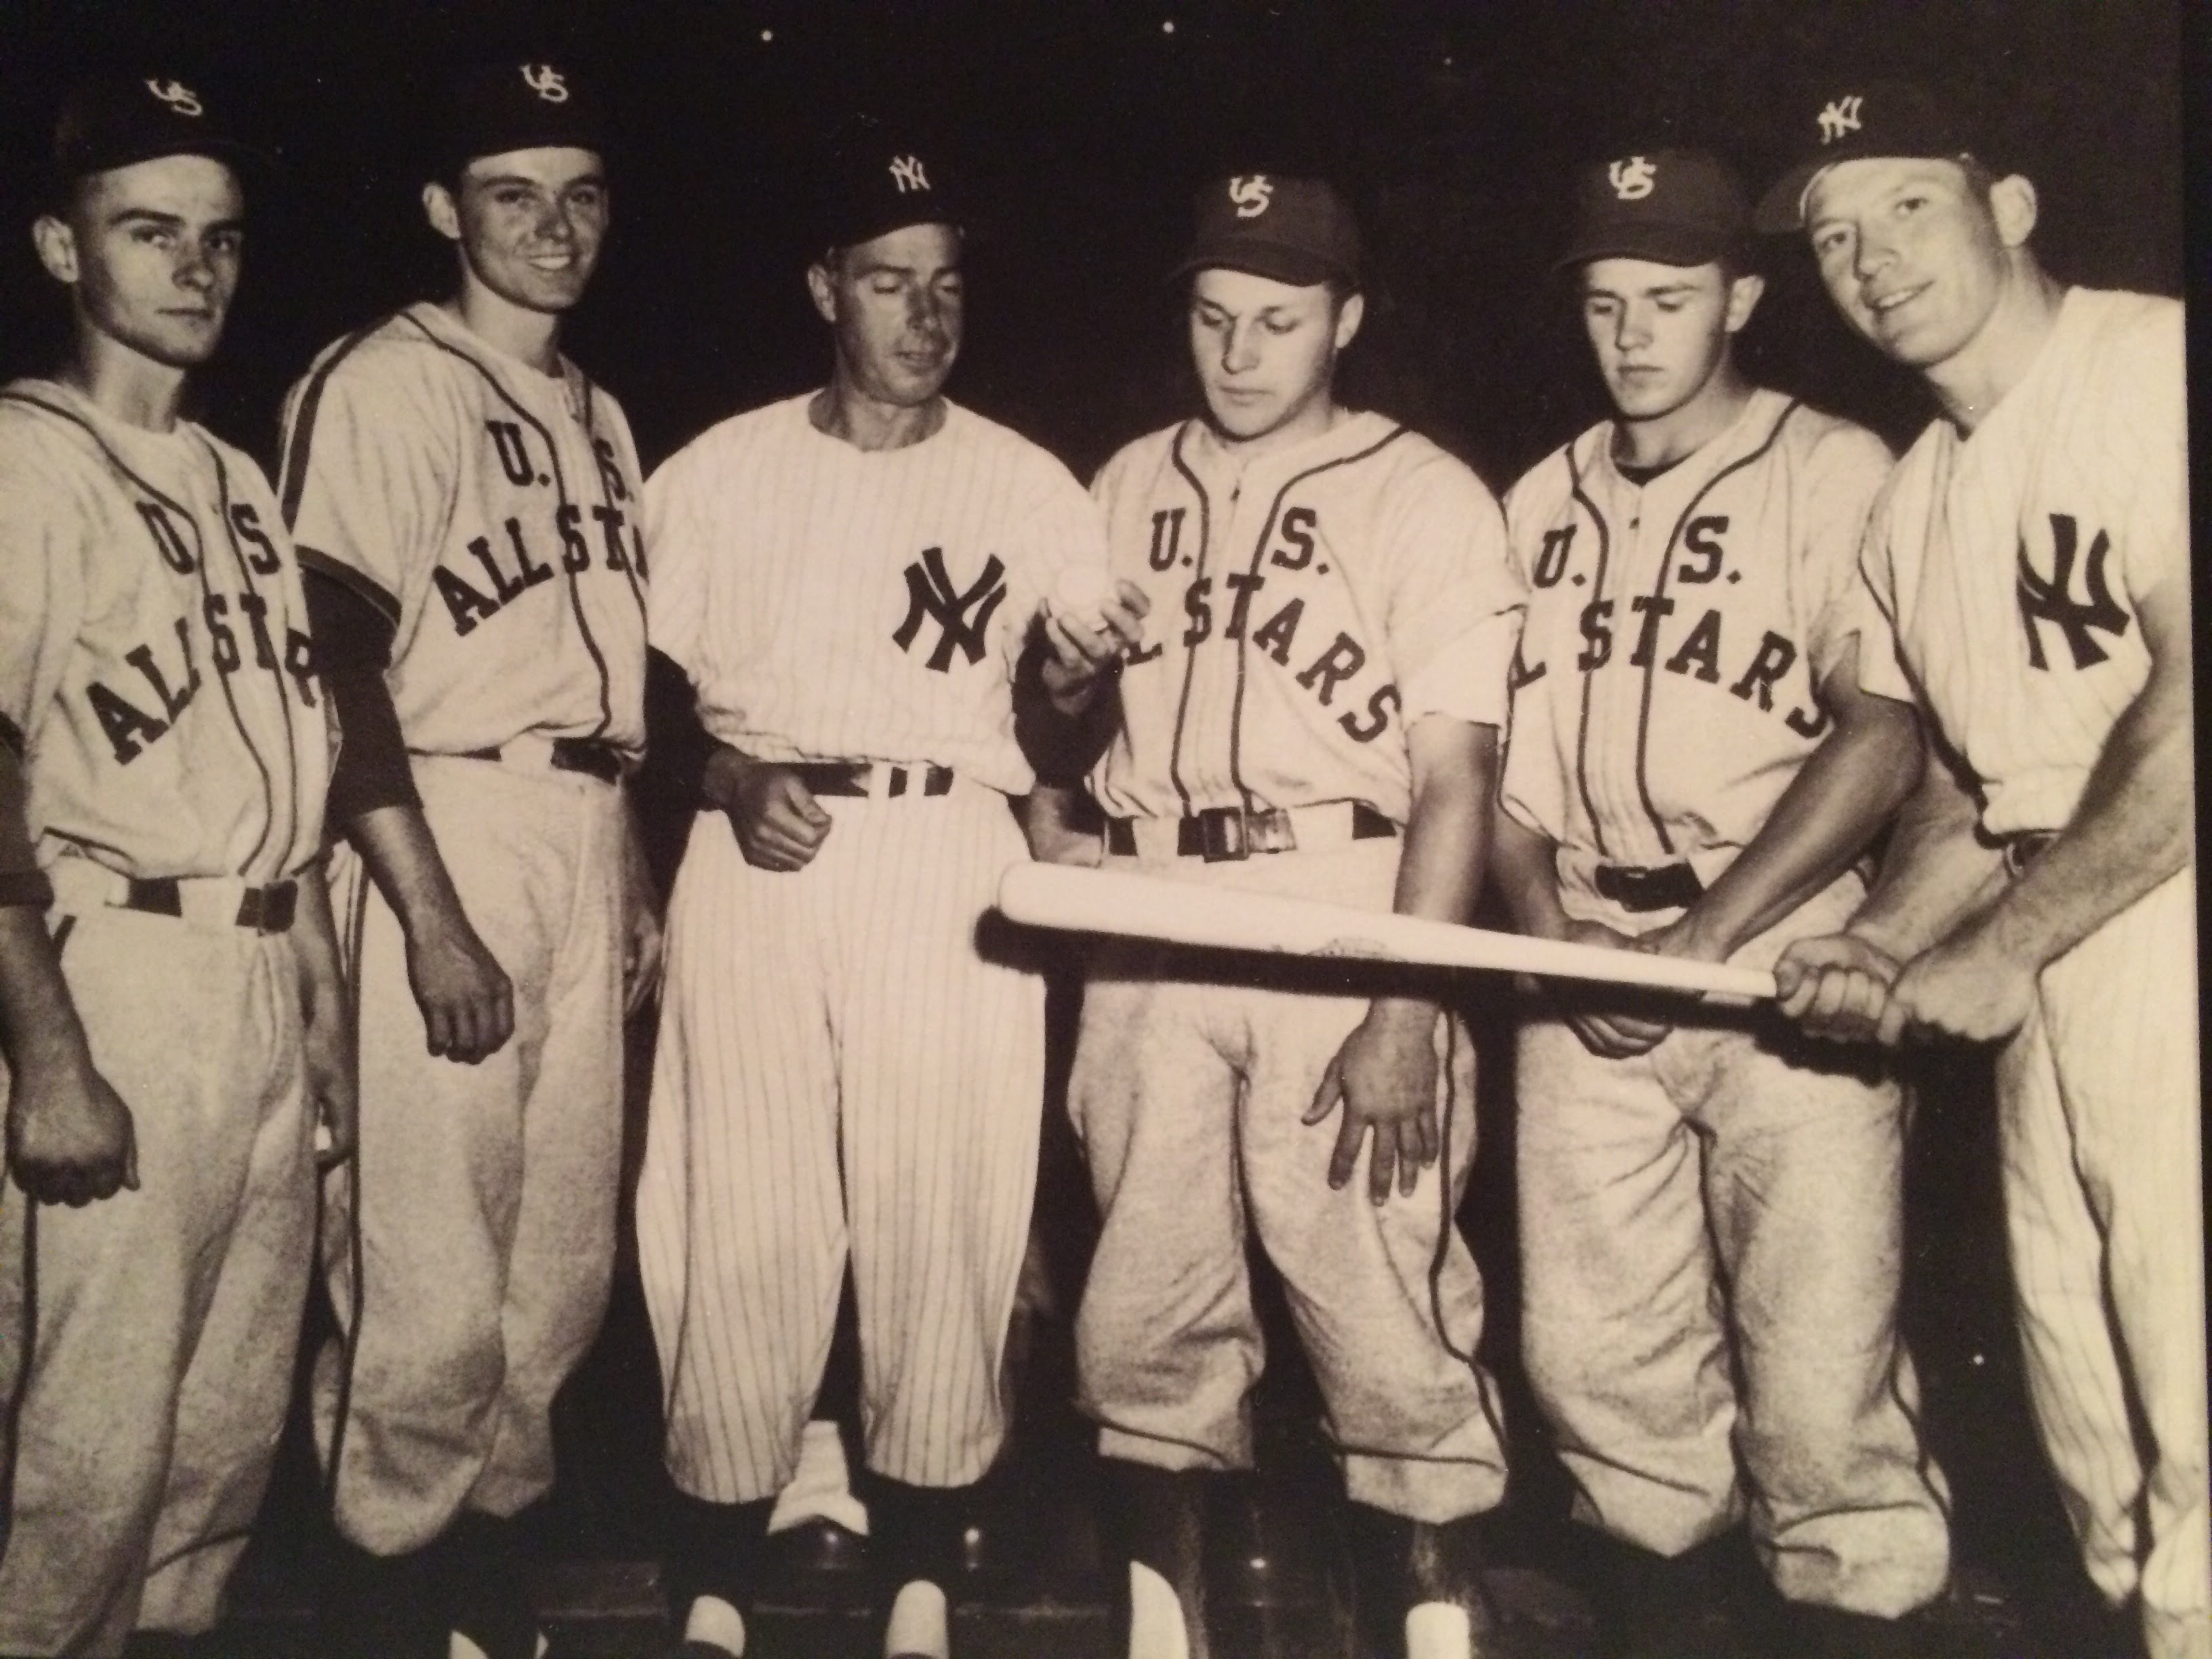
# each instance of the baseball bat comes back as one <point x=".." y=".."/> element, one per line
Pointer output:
<point x="1076" y="900"/>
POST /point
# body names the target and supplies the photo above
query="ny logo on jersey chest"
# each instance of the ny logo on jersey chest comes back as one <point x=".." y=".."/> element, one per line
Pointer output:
<point x="963" y="617"/>
<point x="2049" y="599"/>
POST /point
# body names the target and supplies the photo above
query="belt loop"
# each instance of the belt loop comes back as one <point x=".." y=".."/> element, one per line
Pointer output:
<point x="897" y="783"/>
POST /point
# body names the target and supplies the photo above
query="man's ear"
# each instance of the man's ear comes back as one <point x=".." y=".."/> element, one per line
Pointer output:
<point x="822" y="289"/>
<point x="2014" y="207"/>
<point x="1349" y="316"/>
<point x="57" y="244"/>
<point x="1744" y="294"/>
<point x="443" y="212"/>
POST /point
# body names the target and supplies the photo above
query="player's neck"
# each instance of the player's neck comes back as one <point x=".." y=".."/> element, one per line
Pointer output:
<point x="1320" y="415"/>
<point x="124" y="383"/>
<point x="842" y="409"/>
<point x="1658" y="443"/>
<point x="528" y="336"/>
<point x="1974" y="379"/>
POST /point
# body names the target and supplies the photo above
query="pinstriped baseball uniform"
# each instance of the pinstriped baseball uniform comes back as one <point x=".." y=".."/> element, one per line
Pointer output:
<point x="156" y="684"/>
<point x="489" y="511"/>
<point x="843" y="1065"/>
<point x="1308" y="606"/>
<point x="1678" y="629"/>
<point x="2013" y="560"/>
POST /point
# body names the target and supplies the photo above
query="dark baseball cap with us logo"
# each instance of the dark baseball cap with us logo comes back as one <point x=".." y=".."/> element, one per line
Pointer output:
<point x="1674" y="207"/>
<point x="1299" y="231"/>
<point x="1878" y="118"/>
<point x="119" y="121"/>
<point x="516" y="103"/>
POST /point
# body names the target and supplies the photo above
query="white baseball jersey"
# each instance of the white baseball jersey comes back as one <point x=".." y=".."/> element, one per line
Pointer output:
<point x="155" y="665"/>
<point x="835" y="603"/>
<point x="2012" y="559"/>
<point x="1308" y="606"/>
<point x="1678" y="631"/>
<point x="489" y="511"/>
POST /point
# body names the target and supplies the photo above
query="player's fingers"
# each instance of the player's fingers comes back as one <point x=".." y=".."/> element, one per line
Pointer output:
<point x="437" y="1029"/>
<point x="1131" y="599"/>
<point x="129" y="1153"/>
<point x="1326" y="1097"/>
<point x="1425" y="1129"/>
<point x="1894" y="1017"/>
<point x="1410" y="1160"/>
<point x="1383" y="1163"/>
<point x="500" y="1025"/>
<point x="1344" y="1158"/>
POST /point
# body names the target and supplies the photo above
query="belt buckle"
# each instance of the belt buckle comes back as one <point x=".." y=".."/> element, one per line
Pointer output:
<point x="1270" y="830"/>
<point x="1221" y="835"/>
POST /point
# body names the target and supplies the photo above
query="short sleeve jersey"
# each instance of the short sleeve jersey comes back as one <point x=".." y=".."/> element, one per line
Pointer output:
<point x="1679" y="630"/>
<point x="831" y="603"/>
<point x="2012" y="560"/>
<point x="489" y="511"/>
<point x="157" y="669"/>
<point x="1308" y="605"/>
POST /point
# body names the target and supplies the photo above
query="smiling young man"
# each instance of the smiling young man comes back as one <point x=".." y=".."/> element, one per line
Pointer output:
<point x="170" y="997"/>
<point x="466" y="502"/>
<point x="1311" y="708"/>
<point x="1693" y="769"/>
<point x="849" y="1067"/>
<point x="2032" y="552"/>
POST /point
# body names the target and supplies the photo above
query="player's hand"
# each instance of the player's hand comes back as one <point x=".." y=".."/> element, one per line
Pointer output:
<point x="778" y="822"/>
<point x="466" y="1000"/>
<point x="327" y="1048"/>
<point x="1385" y="1077"/>
<point x="1968" y="987"/>
<point x="642" y="939"/>
<point x="69" y="1139"/>
<point x="1082" y="652"/>
<point x="1606" y="1018"/>
<point x="1836" y="987"/>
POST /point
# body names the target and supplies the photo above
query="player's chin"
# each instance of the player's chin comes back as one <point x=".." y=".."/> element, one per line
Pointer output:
<point x="180" y="344"/>
<point x="1243" y="414"/>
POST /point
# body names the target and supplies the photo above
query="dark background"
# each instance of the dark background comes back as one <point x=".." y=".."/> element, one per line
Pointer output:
<point x="1084" y="125"/>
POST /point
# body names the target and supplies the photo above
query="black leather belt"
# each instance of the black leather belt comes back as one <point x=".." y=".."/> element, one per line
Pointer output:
<point x="1660" y="887"/>
<point x="263" y="909"/>
<point x="855" y="777"/>
<point x="1228" y="832"/>
<point x="2022" y="849"/>
<point x="589" y="756"/>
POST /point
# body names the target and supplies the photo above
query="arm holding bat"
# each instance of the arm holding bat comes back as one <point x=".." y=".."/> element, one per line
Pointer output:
<point x="1385" y="1075"/>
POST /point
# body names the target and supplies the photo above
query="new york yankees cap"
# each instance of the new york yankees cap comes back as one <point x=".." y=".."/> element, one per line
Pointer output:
<point x="876" y="178"/>
<point x="516" y="103"/>
<point x="1299" y="231"/>
<point x="1848" y="123"/>
<point x="1675" y="207"/>
<point x="118" y="121"/>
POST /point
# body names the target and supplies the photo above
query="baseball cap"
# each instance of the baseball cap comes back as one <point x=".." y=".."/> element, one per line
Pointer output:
<point x="516" y="103"/>
<point x="1879" y="118"/>
<point x="876" y="179"/>
<point x="1676" y="207"/>
<point x="115" y="121"/>
<point x="1298" y="231"/>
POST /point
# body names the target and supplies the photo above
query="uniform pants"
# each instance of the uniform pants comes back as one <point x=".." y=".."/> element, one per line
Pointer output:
<point x="470" y="1242"/>
<point x="163" y="1322"/>
<point x="1187" y="1093"/>
<point x="2100" y="1135"/>
<point x="840" y="1070"/>
<point x="1711" y="1240"/>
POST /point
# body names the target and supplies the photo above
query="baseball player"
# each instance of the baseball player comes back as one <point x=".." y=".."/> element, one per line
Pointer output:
<point x="846" y="1068"/>
<point x="2032" y="551"/>
<point x="1312" y="710"/>
<point x="1710" y="1209"/>
<point x="174" y="1019"/>
<point x="466" y="504"/>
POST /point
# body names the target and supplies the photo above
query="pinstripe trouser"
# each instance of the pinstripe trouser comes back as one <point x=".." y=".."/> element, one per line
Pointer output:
<point x="841" y="1068"/>
<point x="2100" y="1136"/>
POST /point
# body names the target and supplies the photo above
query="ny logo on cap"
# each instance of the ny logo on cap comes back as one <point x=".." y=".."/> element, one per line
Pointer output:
<point x="1251" y="195"/>
<point x="907" y="174"/>
<point x="545" y="81"/>
<point x="1840" y="117"/>
<point x="177" y="96"/>
<point x="1632" y="179"/>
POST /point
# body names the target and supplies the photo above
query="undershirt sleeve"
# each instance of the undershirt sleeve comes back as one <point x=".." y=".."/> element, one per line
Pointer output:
<point x="352" y="641"/>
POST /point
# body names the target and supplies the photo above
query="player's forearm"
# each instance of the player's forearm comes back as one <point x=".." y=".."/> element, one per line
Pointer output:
<point x="1936" y="869"/>
<point x="2132" y="831"/>
<point x="315" y="944"/>
<point x="38" y="1023"/>
<point x="403" y="857"/>
<point x="1440" y="871"/>
<point x="1835" y="806"/>
<point x="1525" y="866"/>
